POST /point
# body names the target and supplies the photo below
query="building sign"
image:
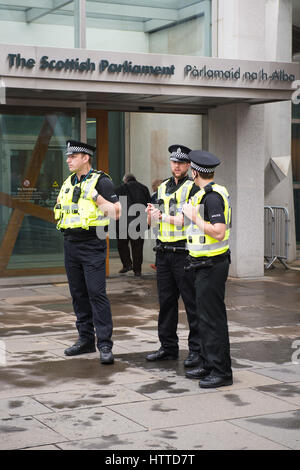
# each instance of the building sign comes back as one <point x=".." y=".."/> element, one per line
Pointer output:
<point x="129" y="67"/>
<point x="74" y="65"/>
<point x="82" y="70"/>
<point x="235" y="74"/>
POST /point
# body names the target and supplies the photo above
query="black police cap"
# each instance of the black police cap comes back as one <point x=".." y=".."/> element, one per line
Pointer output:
<point x="74" y="146"/>
<point x="179" y="153"/>
<point x="203" y="161"/>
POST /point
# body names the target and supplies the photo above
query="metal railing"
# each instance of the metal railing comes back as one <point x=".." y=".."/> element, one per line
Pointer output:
<point x="276" y="235"/>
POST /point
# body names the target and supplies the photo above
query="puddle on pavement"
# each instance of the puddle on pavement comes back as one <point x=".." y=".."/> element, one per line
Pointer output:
<point x="281" y="390"/>
<point x="235" y="399"/>
<point x="57" y="372"/>
<point x="162" y="408"/>
<point x="153" y="387"/>
<point x="276" y="352"/>
<point x="289" y="422"/>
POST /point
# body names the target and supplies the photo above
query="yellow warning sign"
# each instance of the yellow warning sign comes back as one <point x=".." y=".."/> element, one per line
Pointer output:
<point x="55" y="184"/>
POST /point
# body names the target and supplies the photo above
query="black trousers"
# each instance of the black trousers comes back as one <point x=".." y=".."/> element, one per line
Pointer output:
<point x="136" y="259"/>
<point x="173" y="281"/>
<point x="85" y="267"/>
<point x="210" y="294"/>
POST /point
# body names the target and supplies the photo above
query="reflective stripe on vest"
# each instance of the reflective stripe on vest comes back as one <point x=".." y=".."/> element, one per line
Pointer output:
<point x="200" y="244"/>
<point x="169" y="232"/>
<point x="83" y="214"/>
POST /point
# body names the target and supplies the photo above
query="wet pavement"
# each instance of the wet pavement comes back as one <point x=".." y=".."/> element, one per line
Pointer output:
<point x="51" y="401"/>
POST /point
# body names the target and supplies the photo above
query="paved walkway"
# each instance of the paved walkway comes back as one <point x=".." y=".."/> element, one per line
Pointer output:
<point x="50" y="401"/>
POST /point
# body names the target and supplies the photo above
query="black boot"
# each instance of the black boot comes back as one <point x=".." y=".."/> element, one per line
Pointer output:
<point x="80" y="347"/>
<point x="125" y="269"/>
<point x="106" y="355"/>
<point x="193" y="359"/>
<point x="162" y="355"/>
<point x="198" y="373"/>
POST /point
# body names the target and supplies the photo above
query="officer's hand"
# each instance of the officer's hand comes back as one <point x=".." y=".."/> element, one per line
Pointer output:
<point x="149" y="208"/>
<point x="178" y="220"/>
<point x="189" y="210"/>
<point x="155" y="214"/>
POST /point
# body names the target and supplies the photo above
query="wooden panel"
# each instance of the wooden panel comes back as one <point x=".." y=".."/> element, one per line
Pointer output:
<point x="33" y="272"/>
<point x="101" y="138"/>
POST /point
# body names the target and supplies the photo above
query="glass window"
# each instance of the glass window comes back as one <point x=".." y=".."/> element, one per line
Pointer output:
<point x="33" y="169"/>
<point x="155" y="26"/>
<point x="296" y="172"/>
<point x="296" y="151"/>
<point x="296" y="111"/>
<point x="37" y="22"/>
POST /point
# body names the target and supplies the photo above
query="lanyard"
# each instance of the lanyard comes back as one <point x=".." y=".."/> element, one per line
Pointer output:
<point x="76" y="179"/>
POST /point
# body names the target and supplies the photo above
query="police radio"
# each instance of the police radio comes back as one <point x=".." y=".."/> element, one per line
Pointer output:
<point x="76" y="194"/>
<point x="161" y="205"/>
<point x="173" y="206"/>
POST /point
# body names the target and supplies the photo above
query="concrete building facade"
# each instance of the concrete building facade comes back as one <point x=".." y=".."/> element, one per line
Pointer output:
<point x="135" y="79"/>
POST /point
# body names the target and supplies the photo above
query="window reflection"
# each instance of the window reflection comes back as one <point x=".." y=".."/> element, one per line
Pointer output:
<point x="33" y="169"/>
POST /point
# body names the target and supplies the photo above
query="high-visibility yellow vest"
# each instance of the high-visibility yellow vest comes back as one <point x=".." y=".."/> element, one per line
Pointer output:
<point x="83" y="214"/>
<point x="200" y="244"/>
<point x="169" y="233"/>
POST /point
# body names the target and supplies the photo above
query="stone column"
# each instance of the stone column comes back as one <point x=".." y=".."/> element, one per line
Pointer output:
<point x="248" y="137"/>
<point x="236" y="136"/>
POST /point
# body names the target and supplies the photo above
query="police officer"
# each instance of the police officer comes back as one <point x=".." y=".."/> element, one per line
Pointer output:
<point x="85" y="204"/>
<point x="171" y="254"/>
<point x="208" y="244"/>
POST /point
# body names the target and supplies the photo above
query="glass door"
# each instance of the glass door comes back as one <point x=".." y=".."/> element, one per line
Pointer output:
<point x="33" y="167"/>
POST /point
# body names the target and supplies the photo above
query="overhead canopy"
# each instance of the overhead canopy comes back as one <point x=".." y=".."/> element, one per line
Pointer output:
<point x="141" y="82"/>
<point x="144" y="15"/>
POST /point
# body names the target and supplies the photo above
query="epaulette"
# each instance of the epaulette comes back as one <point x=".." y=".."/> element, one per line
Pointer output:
<point x="208" y="188"/>
<point x="102" y="174"/>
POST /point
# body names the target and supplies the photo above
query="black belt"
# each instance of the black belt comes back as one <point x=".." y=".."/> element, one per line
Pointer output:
<point x="169" y="248"/>
<point x="206" y="262"/>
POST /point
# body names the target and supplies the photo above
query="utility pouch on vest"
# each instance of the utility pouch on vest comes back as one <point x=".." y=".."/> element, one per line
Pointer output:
<point x="57" y="211"/>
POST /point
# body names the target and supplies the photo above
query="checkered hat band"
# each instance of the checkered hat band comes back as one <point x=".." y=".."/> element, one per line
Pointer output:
<point x="176" y="156"/>
<point x="201" y="169"/>
<point x="71" y="150"/>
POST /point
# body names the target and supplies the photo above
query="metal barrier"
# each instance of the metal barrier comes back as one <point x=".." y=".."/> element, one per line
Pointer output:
<point x="276" y="235"/>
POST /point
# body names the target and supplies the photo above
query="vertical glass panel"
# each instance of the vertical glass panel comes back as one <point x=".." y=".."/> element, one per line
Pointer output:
<point x="155" y="26"/>
<point x="139" y="26"/>
<point x="116" y="145"/>
<point x="296" y="151"/>
<point x="37" y="22"/>
<point x="91" y="135"/>
<point x="296" y="111"/>
<point x="33" y="169"/>
<point x="296" y="174"/>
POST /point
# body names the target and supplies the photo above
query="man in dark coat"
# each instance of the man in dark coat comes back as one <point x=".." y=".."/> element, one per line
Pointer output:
<point x="128" y="231"/>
